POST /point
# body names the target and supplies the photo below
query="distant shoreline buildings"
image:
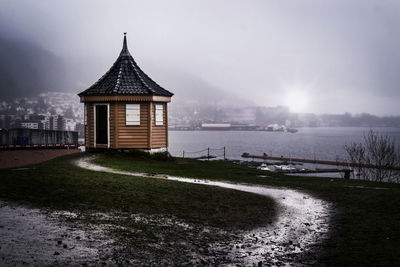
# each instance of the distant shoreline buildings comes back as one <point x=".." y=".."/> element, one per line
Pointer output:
<point x="191" y="117"/>
<point x="48" y="111"/>
<point x="62" y="111"/>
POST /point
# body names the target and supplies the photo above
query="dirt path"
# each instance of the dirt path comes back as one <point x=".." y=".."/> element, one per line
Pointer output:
<point x="18" y="158"/>
<point x="302" y="224"/>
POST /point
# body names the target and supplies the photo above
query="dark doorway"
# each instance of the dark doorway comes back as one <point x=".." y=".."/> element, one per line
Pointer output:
<point x="101" y="125"/>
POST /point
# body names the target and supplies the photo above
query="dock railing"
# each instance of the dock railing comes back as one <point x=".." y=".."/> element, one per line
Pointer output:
<point x="317" y="161"/>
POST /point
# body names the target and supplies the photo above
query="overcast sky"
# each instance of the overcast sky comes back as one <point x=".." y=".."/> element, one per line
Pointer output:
<point x="319" y="56"/>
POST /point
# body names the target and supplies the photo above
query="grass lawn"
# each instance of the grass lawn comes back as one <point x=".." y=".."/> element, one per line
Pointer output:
<point x="58" y="185"/>
<point x="366" y="224"/>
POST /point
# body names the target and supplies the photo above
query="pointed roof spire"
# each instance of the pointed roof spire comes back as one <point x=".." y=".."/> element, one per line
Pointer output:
<point x="125" y="51"/>
<point x="125" y="78"/>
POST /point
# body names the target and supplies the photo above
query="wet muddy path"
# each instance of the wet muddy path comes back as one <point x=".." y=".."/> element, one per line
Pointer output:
<point x="42" y="238"/>
<point x="301" y="226"/>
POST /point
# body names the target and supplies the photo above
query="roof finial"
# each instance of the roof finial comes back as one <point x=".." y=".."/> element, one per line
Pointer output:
<point x="125" y="51"/>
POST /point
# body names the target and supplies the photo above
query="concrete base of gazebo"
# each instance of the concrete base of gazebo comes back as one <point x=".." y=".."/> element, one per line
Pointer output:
<point x="128" y="150"/>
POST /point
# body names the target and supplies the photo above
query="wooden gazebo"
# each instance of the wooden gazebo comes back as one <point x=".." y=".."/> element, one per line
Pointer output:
<point x="126" y="109"/>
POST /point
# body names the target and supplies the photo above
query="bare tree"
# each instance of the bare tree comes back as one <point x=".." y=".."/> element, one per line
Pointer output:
<point x="356" y="153"/>
<point x="377" y="150"/>
<point x="381" y="152"/>
<point x="397" y="172"/>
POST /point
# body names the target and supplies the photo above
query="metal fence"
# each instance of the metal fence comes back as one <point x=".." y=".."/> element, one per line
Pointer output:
<point x="20" y="137"/>
<point x="208" y="153"/>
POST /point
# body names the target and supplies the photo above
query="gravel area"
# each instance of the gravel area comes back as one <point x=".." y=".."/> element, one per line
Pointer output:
<point x="18" y="158"/>
<point x="38" y="238"/>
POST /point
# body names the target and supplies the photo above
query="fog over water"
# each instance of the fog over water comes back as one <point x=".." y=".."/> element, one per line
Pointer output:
<point x="314" y="56"/>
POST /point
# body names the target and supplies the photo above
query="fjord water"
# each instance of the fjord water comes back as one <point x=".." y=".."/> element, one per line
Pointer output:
<point x="320" y="143"/>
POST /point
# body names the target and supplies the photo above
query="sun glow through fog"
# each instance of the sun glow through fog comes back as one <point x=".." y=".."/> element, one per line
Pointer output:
<point x="297" y="101"/>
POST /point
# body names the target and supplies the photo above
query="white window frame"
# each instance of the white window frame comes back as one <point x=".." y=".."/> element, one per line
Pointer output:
<point x="132" y="111"/>
<point x="159" y="113"/>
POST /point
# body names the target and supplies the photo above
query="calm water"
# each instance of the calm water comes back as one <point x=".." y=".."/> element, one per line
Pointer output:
<point x="321" y="143"/>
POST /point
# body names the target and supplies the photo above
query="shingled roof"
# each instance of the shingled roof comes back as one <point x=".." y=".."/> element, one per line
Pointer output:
<point x="125" y="78"/>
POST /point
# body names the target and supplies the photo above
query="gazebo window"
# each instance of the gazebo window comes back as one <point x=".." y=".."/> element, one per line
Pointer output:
<point x="132" y="114"/>
<point x="159" y="114"/>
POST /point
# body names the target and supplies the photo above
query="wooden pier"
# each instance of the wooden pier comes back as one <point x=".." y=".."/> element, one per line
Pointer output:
<point x="346" y="172"/>
<point x="319" y="161"/>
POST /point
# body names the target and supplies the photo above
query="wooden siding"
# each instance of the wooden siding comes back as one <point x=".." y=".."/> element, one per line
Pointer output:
<point x="90" y="125"/>
<point x="146" y="135"/>
<point x="159" y="132"/>
<point x="111" y="138"/>
<point x="132" y="136"/>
